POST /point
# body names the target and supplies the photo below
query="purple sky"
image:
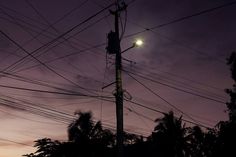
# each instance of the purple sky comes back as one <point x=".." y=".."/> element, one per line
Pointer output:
<point x="189" y="55"/>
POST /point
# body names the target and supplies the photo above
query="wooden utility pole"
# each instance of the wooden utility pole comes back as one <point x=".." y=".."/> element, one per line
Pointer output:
<point x="119" y="91"/>
<point x="114" y="48"/>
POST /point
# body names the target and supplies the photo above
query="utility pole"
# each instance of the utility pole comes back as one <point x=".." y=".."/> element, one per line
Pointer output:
<point x="114" y="48"/>
<point x="119" y="92"/>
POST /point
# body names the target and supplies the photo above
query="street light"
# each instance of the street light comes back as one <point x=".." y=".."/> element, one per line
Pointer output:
<point x="137" y="43"/>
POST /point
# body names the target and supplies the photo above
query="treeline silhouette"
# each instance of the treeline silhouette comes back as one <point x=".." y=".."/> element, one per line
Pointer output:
<point x="170" y="137"/>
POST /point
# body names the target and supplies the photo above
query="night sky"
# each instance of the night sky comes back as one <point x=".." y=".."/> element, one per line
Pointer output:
<point x="181" y="66"/>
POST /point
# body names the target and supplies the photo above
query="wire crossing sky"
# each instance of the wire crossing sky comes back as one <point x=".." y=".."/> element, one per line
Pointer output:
<point x="54" y="63"/>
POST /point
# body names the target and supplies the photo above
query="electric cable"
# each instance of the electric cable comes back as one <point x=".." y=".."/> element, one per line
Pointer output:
<point x="162" y="98"/>
<point x="176" y="88"/>
<point x="183" y="18"/>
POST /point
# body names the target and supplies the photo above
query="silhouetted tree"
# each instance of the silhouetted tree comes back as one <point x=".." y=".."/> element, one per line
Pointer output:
<point x="195" y="139"/>
<point x="86" y="139"/>
<point x="232" y="92"/>
<point x="169" y="137"/>
<point x="226" y="140"/>
<point x="130" y="139"/>
<point x="89" y="137"/>
<point x="201" y="144"/>
<point x="45" y="148"/>
<point x="84" y="130"/>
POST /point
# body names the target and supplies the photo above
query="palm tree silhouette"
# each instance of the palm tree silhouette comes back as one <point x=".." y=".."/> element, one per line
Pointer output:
<point x="84" y="130"/>
<point x="88" y="137"/>
<point x="45" y="148"/>
<point x="169" y="136"/>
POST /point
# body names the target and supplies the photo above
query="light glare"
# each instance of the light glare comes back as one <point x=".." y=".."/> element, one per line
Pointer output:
<point x="139" y="42"/>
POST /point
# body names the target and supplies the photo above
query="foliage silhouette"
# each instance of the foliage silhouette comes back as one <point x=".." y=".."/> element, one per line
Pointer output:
<point x="232" y="92"/>
<point x="226" y="140"/>
<point x="170" y="137"/>
<point x="45" y="148"/>
<point x="84" y="131"/>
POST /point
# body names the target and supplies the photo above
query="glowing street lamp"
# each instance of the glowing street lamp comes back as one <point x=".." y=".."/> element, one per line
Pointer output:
<point x="138" y="42"/>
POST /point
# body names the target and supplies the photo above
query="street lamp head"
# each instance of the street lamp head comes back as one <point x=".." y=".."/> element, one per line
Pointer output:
<point x="138" y="42"/>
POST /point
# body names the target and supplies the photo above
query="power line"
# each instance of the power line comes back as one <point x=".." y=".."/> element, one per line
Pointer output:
<point x="182" y="84"/>
<point x="19" y="143"/>
<point x="183" y="18"/>
<point x="59" y="42"/>
<point x="41" y="83"/>
<point x="48" y="23"/>
<point x="158" y="111"/>
<point x="142" y="66"/>
<point x="176" y="88"/>
<point x="38" y="109"/>
<point x="57" y="21"/>
<point x="37" y="121"/>
<point x="63" y="34"/>
<point x="60" y="19"/>
<point x="198" y="117"/>
<point x="21" y="14"/>
<point x="64" y="56"/>
<point x="161" y="97"/>
<point x="49" y="68"/>
<point x="38" y="82"/>
<point x="41" y="110"/>
<point x="140" y="115"/>
<point x="54" y="92"/>
<point x="21" y="27"/>
<point x="32" y="27"/>
<point x="67" y="55"/>
<point x="181" y="44"/>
